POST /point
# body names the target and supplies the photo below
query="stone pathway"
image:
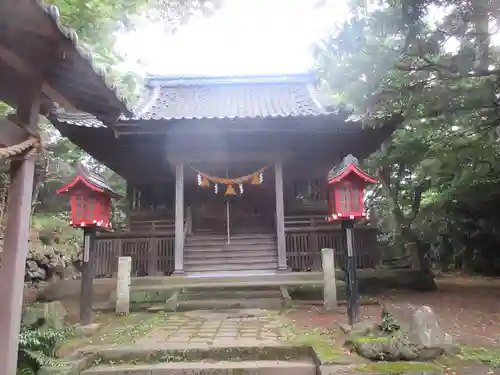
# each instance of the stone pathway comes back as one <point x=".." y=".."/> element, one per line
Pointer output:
<point x="219" y="328"/>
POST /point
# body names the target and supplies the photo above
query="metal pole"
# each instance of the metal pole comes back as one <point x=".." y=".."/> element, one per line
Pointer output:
<point x="227" y="214"/>
<point x="88" y="265"/>
<point x="351" y="279"/>
<point x="228" y="225"/>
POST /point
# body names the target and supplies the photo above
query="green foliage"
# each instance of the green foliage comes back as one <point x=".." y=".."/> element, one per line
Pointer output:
<point x="97" y="23"/>
<point x="38" y="347"/>
<point x="439" y="171"/>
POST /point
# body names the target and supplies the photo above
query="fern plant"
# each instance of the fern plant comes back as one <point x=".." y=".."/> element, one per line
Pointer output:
<point x="38" y="347"/>
<point x="389" y="324"/>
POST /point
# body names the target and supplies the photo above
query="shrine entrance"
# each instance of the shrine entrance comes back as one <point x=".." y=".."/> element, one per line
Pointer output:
<point x="246" y="208"/>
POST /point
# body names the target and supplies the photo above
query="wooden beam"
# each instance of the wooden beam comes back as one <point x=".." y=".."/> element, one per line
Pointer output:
<point x="11" y="134"/>
<point x="15" y="246"/>
<point x="179" y="219"/>
<point x="212" y="156"/>
<point x="280" y="216"/>
<point x="28" y="15"/>
<point x="19" y="65"/>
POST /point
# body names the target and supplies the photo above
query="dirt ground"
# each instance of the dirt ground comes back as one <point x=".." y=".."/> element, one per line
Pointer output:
<point x="469" y="309"/>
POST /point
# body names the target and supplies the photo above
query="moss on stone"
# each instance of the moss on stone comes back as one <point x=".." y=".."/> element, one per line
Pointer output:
<point x="394" y="368"/>
<point x="322" y="341"/>
<point x="139" y="297"/>
<point x="368" y="339"/>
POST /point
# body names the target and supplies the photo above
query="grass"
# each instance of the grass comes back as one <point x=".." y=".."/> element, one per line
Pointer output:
<point x="481" y="355"/>
<point x="396" y="368"/>
<point x="323" y="341"/>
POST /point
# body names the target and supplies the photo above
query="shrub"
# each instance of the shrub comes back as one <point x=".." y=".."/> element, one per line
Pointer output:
<point x="38" y="347"/>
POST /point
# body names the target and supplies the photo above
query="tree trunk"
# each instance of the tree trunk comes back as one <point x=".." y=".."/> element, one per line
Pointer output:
<point x="481" y="31"/>
<point x="403" y="224"/>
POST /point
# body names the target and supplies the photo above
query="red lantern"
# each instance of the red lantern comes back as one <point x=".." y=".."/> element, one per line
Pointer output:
<point x="90" y="200"/>
<point x="346" y="193"/>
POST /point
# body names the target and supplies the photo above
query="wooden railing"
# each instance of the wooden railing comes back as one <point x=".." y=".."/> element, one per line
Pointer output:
<point x="307" y="235"/>
<point x="151" y="221"/>
<point x="152" y="253"/>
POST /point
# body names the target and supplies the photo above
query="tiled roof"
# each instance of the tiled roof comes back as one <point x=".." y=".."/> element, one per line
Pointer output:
<point x="341" y="168"/>
<point x="344" y="165"/>
<point x="184" y="98"/>
<point x="53" y="12"/>
<point x="230" y="97"/>
<point x="96" y="180"/>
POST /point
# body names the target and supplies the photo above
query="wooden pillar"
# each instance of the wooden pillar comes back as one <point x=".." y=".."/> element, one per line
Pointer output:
<point x="15" y="247"/>
<point x="179" y="219"/>
<point x="153" y="257"/>
<point x="280" y="216"/>
<point x="130" y="201"/>
<point x="87" y="281"/>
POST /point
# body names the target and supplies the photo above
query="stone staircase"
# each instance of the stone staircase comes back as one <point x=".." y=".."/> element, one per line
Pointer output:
<point x="200" y="359"/>
<point x="220" y="298"/>
<point x="210" y="253"/>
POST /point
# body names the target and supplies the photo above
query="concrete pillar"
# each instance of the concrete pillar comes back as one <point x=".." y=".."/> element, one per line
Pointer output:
<point x="329" y="285"/>
<point x="280" y="216"/>
<point x="179" y="219"/>
<point x="123" y="285"/>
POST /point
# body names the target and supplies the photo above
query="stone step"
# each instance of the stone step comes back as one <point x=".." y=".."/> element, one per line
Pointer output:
<point x="228" y="249"/>
<point x="230" y="303"/>
<point x="296" y="367"/>
<point x="223" y="236"/>
<point x="223" y="243"/>
<point x="250" y="280"/>
<point x="228" y="293"/>
<point x="223" y="261"/>
<point x="225" y="267"/>
<point x="212" y="253"/>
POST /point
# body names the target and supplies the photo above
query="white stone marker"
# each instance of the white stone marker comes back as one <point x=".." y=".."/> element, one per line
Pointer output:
<point x="329" y="285"/>
<point x="123" y="285"/>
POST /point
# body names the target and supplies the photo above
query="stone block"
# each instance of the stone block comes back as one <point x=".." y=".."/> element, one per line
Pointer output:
<point x="123" y="285"/>
<point x="421" y="326"/>
<point x="87" y="330"/>
<point x="54" y="314"/>
<point x="329" y="287"/>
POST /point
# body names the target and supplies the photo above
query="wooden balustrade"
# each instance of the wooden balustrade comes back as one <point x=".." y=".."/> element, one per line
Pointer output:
<point x="303" y="249"/>
<point x="152" y="254"/>
<point x="307" y="235"/>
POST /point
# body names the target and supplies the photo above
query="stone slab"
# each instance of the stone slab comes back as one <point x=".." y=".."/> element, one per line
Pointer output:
<point x="123" y="285"/>
<point x="217" y="368"/>
<point x="329" y="282"/>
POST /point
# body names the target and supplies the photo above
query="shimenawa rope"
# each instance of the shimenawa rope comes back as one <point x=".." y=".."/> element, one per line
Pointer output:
<point x="25" y="148"/>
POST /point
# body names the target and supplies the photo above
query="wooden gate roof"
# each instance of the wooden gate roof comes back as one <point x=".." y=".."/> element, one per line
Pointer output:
<point x="34" y="44"/>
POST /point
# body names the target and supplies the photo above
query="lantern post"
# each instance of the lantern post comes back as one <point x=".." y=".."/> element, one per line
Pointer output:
<point x="347" y="183"/>
<point x="90" y="199"/>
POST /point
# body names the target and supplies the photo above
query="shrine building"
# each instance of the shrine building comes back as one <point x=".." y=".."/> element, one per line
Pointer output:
<point x="226" y="175"/>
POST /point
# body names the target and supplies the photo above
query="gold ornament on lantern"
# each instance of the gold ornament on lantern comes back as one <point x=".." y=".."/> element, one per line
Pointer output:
<point x="230" y="190"/>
